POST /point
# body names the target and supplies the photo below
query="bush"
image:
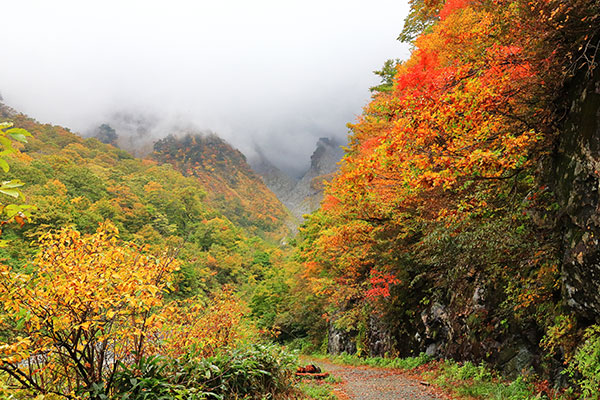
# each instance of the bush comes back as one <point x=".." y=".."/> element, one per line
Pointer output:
<point x="586" y="364"/>
<point x="89" y="303"/>
<point x="250" y="372"/>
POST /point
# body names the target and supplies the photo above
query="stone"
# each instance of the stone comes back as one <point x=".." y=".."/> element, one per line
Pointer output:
<point x="340" y="341"/>
<point x="576" y="172"/>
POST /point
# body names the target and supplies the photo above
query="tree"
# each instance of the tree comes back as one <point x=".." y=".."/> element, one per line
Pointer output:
<point x="387" y="73"/>
<point x="11" y="212"/>
<point x="106" y="134"/>
<point x="88" y="306"/>
<point x="453" y="134"/>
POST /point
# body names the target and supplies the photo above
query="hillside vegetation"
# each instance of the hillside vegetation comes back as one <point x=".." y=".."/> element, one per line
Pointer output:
<point x="123" y="278"/>
<point x="231" y="185"/>
<point x="81" y="182"/>
<point x="461" y="222"/>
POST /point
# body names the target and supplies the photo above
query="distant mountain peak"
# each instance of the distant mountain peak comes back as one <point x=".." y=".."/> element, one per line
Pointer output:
<point x="325" y="157"/>
<point x="301" y="196"/>
<point x="232" y="186"/>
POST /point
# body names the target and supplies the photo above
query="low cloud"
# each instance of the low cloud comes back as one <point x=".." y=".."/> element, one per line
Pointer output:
<point x="272" y="74"/>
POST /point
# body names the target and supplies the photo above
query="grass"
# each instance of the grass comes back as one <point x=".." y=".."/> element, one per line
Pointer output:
<point x="398" y="363"/>
<point x="463" y="380"/>
<point x="333" y="379"/>
<point x="316" y="391"/>
<point x="468" y="380"/>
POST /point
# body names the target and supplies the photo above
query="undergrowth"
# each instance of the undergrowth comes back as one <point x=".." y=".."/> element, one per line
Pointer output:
<point x="314" y="391"/>
<point x="464" y="380"/>
<point x="469" y="380"/>
<point x="382" y="362"/>
<point x="250" y="372"/>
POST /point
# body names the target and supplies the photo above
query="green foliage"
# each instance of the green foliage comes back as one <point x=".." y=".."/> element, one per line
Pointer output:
<point x="306" y="346"/>
<point x="423" y="14"/>
<point x="282" y="304"/>
<point x="315" y="391"/>
<point x="250" y="372"/>
<point x="477" y="381"/>
<point x="406" y="363"/>
<point x="387" y="73"/>
<point x="148" y="380"/>
<point x="585" y="365"/>
<point x="106" y="134"/>
<point x="11" y="188"/>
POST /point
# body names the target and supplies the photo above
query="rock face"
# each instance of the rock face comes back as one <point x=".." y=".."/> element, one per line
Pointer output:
<point x="340" y="341"/>
<point x="438" y="329"/>
<point x="304" y="195"/>
<point x="576" y="179"/>
<point x="380" y="340"/>
<point x="275" y="179"/>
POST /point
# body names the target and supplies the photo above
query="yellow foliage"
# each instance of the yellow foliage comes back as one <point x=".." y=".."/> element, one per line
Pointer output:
<point x="87" y="305"/>
<point x="189" y="327"/>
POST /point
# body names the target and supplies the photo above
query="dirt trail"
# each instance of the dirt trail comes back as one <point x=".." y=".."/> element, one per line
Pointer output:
<point x="367" y="383"/>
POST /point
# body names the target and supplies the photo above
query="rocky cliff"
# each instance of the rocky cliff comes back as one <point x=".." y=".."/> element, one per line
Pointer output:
<point x="576" y="183"/>
<point x="301" y="196"/>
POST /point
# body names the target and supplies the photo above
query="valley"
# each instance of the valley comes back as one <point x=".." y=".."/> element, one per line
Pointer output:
<point x="447" y="249"/>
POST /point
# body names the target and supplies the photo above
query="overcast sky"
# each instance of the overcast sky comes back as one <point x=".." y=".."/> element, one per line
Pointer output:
<point x="278" y="74"/>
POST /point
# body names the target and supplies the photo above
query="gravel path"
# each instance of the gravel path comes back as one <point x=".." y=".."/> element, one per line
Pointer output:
<point x="367" y="383"/>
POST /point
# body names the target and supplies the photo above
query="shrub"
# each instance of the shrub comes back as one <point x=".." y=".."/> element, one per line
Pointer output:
<point x="89" y="303"/>
<point x="250" y="372"/>
<point x="585" y="365"/>
<point x="201" y="327"/>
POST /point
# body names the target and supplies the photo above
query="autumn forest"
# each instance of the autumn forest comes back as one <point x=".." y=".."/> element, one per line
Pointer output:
<point x="457" y="237"/>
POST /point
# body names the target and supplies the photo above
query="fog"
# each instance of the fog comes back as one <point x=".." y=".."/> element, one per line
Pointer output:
<point x="273" y="74"/>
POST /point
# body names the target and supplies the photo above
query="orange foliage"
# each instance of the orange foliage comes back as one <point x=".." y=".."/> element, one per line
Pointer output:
<point x="189" y="327"/>
<point x="466" y="114"/>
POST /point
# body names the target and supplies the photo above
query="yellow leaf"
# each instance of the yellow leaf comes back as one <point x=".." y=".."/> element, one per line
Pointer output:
<point x="86" y="325"/>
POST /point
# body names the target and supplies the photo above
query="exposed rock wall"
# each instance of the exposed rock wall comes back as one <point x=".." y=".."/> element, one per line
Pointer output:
<point x="576" y="183"/>
<point x="340" y="341"/>
<point x="380" y="340"/>
<point x="301" y="196"/>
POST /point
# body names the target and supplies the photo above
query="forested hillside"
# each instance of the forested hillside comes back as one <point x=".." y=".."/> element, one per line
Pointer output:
<point x="462" y="225"/>
<point x="81" y="182"/>
<point x="462" y="221"/>
<point x="231" y="186"/>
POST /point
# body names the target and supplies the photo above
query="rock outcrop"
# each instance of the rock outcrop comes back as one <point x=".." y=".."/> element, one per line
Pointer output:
<point x="577" y="186"/>
<point x="301" y="196"/>
<point x="340" y="341"/>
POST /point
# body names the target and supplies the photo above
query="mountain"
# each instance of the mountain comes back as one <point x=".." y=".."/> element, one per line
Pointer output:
<point x="302" y="195"/>
<point x="232" y="187"/>
<point x="224" y="222"/>
<point x="278" y="181"/>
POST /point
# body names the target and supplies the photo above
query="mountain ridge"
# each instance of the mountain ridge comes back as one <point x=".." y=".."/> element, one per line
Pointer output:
<point x="302" y="195"/>
<point x="232" y="186"/>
